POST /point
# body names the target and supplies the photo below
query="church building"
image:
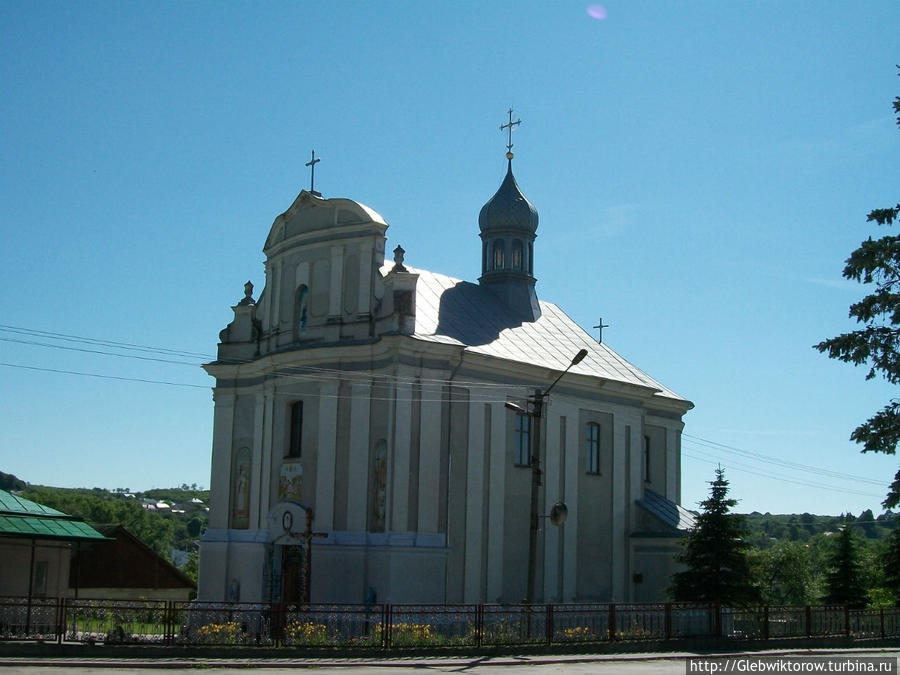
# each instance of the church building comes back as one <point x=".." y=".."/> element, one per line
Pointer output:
<point x="380" y="430"/>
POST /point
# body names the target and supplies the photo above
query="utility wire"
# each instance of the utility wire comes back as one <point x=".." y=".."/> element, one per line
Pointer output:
<point x="757" y="456"/>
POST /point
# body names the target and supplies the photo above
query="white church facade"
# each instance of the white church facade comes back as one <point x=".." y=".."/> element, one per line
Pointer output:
<point x="363" y="446"/>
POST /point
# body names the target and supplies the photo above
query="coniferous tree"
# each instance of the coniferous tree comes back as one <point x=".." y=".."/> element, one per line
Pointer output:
<point x="715" y="554"/>
<point x="844" y="578"/>
<point x="890" y="564"/>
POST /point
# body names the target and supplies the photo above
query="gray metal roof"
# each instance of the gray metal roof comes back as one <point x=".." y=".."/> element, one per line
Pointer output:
<point x="671" y="514"/>
<point x="459" y="312"/>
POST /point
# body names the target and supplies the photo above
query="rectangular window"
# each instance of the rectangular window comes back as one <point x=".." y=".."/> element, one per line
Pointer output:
<point x="294" y="446"/>
<point x="39" y="587"/>
<point x="523" y="440"/>
<point x="592" y="448"/>
<point x="647" y="458"/>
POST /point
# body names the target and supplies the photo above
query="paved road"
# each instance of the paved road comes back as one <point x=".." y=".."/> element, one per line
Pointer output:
<point x="636" y="664"/>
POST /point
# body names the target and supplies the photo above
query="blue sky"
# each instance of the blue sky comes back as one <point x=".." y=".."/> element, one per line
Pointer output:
<point x="701" y="169"/>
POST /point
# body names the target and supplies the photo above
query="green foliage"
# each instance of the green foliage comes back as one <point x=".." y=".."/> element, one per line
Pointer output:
<point x="101" y="507"/>
<point x="890" y="564"/>
<point x="715" y="554"/>
<point x="9" y="482"/>
<point x="784" y="574"/>
<point x="844" y="578"/>
<point x="877" y="343"/>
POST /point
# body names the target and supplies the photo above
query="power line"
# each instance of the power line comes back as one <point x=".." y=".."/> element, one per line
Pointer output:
<point x="767" y="459"/>
<point x="105" y="377"/>
<point x="783" y="479"/>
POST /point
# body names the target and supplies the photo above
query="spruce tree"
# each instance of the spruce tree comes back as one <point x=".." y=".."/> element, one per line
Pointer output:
<point x="715" y="555"/>
<point x="890" y="564"/>
<point x="844" y="577"/>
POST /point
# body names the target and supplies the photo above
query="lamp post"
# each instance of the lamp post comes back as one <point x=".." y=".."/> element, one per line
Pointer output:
<point x="535" y="414"/>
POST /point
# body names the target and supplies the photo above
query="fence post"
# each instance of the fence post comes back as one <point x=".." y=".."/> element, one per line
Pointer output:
<point x="549" y="623"/>
<point x="61" y="620"/>
<point x="881" y="613"/>
<point x="847" y="620"/>
<point x="611" y="629"/>
<point x="479" y="624"/>
<point x="766" y="622"/>
<point x="667" y="621"/>
<point x="388" y="624"/>
<point x="808" y="621"/>
<point x="170" y="622"/>
<point x="717" y="608"/>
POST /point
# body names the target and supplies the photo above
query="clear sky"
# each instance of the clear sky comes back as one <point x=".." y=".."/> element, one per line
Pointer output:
<point x="701" y="169"/>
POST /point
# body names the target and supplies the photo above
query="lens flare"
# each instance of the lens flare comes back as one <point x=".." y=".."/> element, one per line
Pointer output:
<point x="597" y="11"/>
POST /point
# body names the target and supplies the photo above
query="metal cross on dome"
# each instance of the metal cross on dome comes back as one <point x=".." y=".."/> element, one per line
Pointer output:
<point x="510" y="125"/>
<point x="312" y="171"/>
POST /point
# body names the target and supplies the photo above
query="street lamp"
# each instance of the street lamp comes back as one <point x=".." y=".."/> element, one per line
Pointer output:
<point x="536" y="413"/>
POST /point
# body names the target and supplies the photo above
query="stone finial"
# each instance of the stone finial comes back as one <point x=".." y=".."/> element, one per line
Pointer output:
<point x="248" y="295"/>
<point x="398" y="259"/>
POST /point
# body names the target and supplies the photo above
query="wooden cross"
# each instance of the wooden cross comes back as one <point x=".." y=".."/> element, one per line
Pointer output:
<point x="601" y="327"/>
<point x="312" y="171"/>
<point x="510" y="125"/>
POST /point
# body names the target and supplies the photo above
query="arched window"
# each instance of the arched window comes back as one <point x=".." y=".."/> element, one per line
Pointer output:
<point x="592" y="447"/>
<point x="531" y="258"/>
<point x="517" y="252"/>
<point x="301" y="309"/>
<point x="498" y="254"/>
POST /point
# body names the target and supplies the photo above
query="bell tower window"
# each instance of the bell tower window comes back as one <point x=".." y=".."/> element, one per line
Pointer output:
<point x="498" y="255"/>
<point x="517" y="254"/>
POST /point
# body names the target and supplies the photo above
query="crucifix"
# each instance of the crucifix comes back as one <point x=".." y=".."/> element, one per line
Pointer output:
<point x="601" y="327"/>
<point x="312" y="171"/>
<point x="510" y="125"/>
<point x="307" y="536"/>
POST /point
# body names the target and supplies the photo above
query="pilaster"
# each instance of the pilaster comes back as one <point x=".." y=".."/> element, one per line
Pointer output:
<point x="399" y="504"/>
<point x="325" y="454"/>
<point x="475" y="498"/>
<point x="497" y="483"/>
<point x="220" y="474"/>
<point x="360" y="442"/>
<point x="430" y="456"/>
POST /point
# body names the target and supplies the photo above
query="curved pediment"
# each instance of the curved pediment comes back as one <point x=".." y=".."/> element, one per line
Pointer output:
<point x="310" y="213"/>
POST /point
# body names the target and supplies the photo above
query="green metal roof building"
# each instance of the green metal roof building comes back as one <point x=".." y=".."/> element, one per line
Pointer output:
<point x="35" y="547"/>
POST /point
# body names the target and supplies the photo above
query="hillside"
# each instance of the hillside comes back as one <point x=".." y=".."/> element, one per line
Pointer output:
<point x="168" y="520"/>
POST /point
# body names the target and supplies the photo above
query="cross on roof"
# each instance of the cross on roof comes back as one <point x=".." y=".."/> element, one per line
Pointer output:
<point x="312" y="171"/>
<point x="601" y="327"/>
<point x="510" y="125"/>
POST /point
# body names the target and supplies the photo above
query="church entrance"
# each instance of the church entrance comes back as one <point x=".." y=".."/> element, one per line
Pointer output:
<point x="292" y="574"/>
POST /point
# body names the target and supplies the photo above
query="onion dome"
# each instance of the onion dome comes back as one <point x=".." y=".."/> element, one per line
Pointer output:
<point x="508" y="210"/>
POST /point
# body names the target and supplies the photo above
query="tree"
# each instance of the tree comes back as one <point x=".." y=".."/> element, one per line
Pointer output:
<point x="785" y="574"/>
<point x="715" y="554"/>
<point x="844" y="577"/>
<point x="876" y="344"/>
<point x="890" y="564"/>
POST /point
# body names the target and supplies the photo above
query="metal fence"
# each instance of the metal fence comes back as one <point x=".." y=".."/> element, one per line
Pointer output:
<point x="406" y="626"/>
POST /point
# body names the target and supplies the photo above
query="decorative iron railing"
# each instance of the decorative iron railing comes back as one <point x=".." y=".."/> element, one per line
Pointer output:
<point x="395" y="626"/>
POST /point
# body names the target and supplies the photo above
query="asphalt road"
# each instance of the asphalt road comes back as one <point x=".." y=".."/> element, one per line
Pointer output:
<point x="635" y="664"/>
